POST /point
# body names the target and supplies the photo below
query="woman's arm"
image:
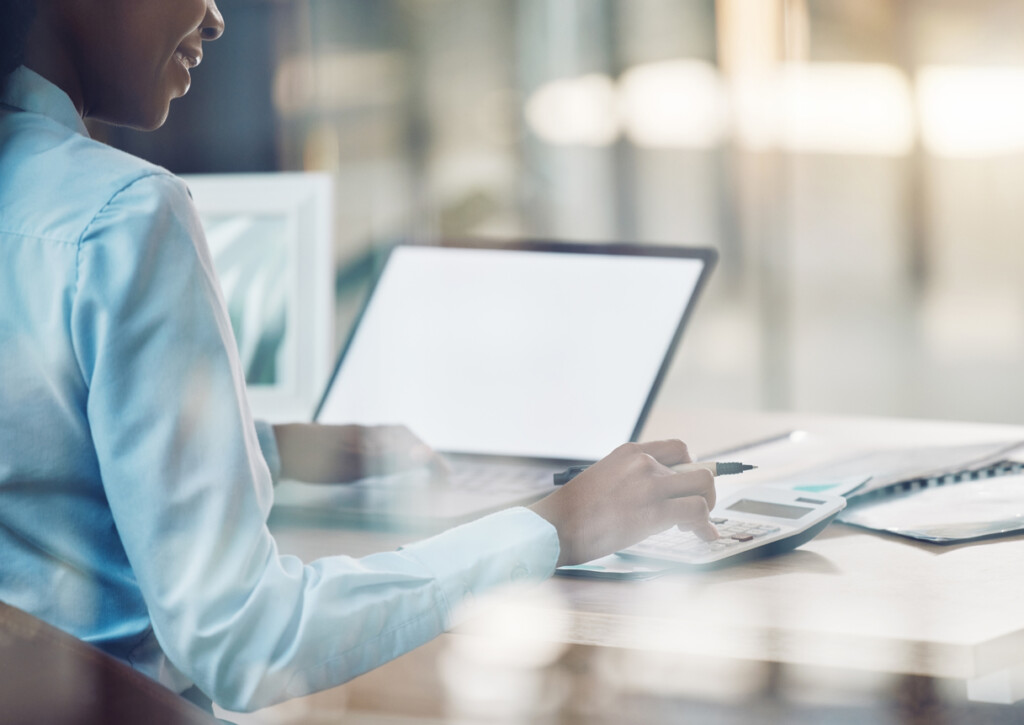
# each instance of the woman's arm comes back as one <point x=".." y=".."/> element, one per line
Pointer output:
<point x="190" y="492"/>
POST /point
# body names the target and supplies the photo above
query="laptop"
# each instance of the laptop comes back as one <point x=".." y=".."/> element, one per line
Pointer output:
<point x="514" y="360"/>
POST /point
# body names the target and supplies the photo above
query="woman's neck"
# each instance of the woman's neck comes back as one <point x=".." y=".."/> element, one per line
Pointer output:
<point x="48" y="54"/>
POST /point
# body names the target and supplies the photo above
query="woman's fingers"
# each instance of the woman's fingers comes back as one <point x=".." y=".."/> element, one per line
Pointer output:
<point x="667" y="452"/>
<point x="690" y="514"/>
<point x="705" y="530"/>
<point x="649" y="458"/>
<point x="683" y="498"/>
<point x="691" y="483"/>
<point x="627" y="496"/>
<point x="397" y="448"/>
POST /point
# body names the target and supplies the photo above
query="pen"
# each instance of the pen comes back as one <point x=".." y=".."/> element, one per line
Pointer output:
<point x="717" y="468"/>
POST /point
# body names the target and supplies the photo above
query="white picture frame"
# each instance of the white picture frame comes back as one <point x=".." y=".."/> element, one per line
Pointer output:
<point x="271" y="238"/>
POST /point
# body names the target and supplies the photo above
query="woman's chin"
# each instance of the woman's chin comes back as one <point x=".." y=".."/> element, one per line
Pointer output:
<point x="141" y="119"/>
<point x="155" y="121"/>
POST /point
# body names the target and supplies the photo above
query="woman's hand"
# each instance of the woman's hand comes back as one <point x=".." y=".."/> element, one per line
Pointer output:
<point x="627" y="496"/>
<point x="344" y="453"/>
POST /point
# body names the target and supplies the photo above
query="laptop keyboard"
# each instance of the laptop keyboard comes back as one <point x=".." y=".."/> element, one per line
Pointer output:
<point x="495" y="478"/>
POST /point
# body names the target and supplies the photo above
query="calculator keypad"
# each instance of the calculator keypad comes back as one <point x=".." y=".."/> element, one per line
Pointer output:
<point x="686" y="546"/>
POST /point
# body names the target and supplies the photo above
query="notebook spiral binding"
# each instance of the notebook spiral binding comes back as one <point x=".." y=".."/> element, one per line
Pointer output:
<point x="910" y="485"/>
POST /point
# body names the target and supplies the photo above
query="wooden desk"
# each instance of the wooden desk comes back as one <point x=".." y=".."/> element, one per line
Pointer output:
<point x="848" y="598"/>
<point x="848" y="602"/>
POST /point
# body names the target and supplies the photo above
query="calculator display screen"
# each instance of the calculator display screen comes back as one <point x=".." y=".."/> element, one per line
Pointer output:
<point x="764" y="508"/>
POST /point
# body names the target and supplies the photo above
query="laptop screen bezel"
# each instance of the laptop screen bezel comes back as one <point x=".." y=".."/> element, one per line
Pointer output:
<point x="708" y="255"/>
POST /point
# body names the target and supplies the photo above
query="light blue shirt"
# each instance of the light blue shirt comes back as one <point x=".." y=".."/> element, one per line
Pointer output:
<point x="134" y="493"/>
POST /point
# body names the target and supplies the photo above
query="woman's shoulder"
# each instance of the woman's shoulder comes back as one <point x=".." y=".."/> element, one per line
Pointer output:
<point x="98" y="173"/>
<point x="116" y="172"/>
<point x="60" y="180"/>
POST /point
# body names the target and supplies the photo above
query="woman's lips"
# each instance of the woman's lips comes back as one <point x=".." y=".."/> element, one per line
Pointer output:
<point x="188" y="59"/>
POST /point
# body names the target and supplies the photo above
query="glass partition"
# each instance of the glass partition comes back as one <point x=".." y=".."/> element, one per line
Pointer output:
<point x="855" y="162"/>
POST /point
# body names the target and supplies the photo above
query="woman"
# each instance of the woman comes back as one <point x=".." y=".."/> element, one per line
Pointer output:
<point x="134" y="485"/>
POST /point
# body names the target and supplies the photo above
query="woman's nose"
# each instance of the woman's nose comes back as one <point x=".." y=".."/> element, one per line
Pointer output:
<point x="213" y="24"/>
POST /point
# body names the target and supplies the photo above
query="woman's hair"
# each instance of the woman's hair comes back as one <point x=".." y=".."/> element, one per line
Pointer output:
<point x="15" y="19"/>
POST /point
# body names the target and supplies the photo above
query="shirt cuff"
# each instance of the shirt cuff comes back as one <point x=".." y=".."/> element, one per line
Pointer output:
<point x="511" y="546"/>
<point x="268" y="445"/>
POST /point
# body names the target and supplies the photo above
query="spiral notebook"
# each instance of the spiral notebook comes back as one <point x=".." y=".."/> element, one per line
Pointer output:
<point x="976" y="508"/>
<point x="874" y="474"/>
<point x="911" y="469"/>
<point x="898" y="491"/>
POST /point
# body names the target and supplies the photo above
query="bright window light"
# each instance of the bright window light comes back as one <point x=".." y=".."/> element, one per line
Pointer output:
<point x="971" y="112"/>
<point x="843" y="108"/>
<point x="756" y="116"/>
<point x="677" y="103"/>
<point x="836" y="108"/>
<point x="575" y="111"/>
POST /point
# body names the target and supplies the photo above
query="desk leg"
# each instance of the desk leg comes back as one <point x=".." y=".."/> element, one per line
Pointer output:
<point x="1005" y="687"/>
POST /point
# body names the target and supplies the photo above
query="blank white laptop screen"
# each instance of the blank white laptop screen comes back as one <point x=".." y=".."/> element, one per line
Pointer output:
<point x="509" y="352"/>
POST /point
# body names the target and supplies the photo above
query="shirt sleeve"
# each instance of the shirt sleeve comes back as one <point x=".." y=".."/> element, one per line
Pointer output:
<point x="190" y="490"/>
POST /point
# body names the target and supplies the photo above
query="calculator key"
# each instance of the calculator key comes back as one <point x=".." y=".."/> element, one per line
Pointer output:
<point x="717" y="521"/>
<point x="685" y="545"/>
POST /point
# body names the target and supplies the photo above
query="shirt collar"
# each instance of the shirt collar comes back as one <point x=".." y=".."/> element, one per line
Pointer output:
<point x="29" y="91"/>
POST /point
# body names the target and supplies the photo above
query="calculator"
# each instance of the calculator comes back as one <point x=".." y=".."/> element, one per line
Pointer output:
<point x="758" y="521"/>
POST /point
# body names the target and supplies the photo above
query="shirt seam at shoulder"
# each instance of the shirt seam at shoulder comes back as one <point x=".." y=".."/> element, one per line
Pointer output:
<point x="117" y="193"/>
<point x="88" y="227"/>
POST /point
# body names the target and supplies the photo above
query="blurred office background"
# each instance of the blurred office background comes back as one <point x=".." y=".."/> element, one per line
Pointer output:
<point x="859" y="164"/>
